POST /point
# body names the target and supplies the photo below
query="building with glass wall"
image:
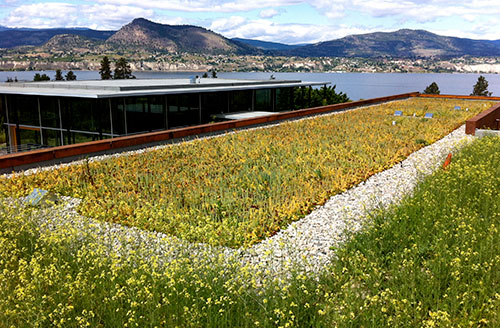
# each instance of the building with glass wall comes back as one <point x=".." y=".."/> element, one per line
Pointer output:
<point x="43" y="114"/>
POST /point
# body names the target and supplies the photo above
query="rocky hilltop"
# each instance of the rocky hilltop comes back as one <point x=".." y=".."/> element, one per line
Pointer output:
<point x="147" y="35"/>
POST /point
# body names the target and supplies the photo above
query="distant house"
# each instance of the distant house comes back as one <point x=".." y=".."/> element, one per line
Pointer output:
<point x="61" y="113"/>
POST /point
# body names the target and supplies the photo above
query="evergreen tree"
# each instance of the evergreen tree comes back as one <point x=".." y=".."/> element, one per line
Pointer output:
<point x="59" y="76"/>
<point x="123" y="70"/>
<point x="326" y="95"/>
<point x="70" y="76"/>
<point x="105" y="70"/>
<point x="214" y="74"/>
<point x="43" y="77"/>
<point x="481" y="87"/>
<point x="205" y="75"/>
<point x="432" y="89"/>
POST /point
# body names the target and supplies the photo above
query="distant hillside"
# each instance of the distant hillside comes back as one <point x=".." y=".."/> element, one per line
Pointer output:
<point x="266" y="45"/>
<point x="145" y="34"/>
<point x="11" y="38"/>
<point x="71" y="43"/>
<point x="402" y="44"/>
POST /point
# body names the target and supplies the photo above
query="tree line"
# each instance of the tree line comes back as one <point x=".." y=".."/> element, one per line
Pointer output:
<point x="479" y="89"/>
<point x="70" y="76"/>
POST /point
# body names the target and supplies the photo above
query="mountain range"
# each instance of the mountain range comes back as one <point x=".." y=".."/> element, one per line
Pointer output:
<point x="403" y="43"/>
<point x="150" y="36"/>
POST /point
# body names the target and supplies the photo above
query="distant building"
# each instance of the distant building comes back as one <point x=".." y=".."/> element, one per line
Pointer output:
<point x="37" y="114"/>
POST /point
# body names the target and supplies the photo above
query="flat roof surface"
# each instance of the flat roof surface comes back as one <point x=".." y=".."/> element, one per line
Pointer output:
<point x="141" y="87"/>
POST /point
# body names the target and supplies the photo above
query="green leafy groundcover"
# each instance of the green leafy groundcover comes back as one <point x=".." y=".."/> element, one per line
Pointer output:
<point x="433" y="261"/>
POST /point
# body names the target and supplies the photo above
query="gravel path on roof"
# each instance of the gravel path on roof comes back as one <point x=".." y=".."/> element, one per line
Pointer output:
<point x="306" y="243"/>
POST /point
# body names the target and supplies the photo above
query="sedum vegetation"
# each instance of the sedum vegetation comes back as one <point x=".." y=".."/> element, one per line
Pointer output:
<point x="433" y="261"/>
<point x="240" y="188"/>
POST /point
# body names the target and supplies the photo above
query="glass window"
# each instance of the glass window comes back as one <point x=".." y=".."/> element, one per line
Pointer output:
<point x="77" y="114"/>
<point x="184" y="103"/>
<point x="3" y="118"/>
<point x="144" y="114"/>
<point x="4" y="138"/>
<point x="173" y="103"/>
<point x="77" y="137"/>
<point x="157" y="113"/>
<point x="101" y="115"/>
<point x="118" y="116"/>
<point x="240" y="101"/>
<point x="23" y="110"/>
<point x="51" y="137"/>
<point x="213" y="103"/>
<point x="2" y="111"/>
<point x="12" y="110"/>
<point x="29" y="137"/>
<point x="49" y="110"/>
<point x="284" y="99"/>
<point x="183" y="110"/>
<point x="263" y="100"/>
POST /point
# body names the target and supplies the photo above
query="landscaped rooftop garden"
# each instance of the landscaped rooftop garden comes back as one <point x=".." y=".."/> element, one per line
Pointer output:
<point x="237" y="189"/>
<point x="432" y="261"/>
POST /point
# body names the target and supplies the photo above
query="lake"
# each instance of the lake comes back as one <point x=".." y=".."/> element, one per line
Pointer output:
<point x="355" y="85"/>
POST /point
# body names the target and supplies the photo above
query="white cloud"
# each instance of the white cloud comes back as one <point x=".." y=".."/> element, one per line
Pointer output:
<point x="269" y="13"/>
<point x="228" y="24"/>
<point x="266" y="30"/>
<point x="408" y="10"/>
<point x="57" y="14"/>
<point x="113" y="17"/>
<point x="204" y="5"/>
<point x="42" y="15"/>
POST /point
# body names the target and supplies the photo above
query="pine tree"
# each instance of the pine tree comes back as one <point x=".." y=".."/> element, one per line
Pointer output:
<point x="432" y="89"/>
<point x="59" y="76"/>
<point x="326" y="95"/>
<point x="481" y="87"/>
<point x="70" y="76"/>
<point x="105" y="70"/>
<point x="43" y="77"/>
<point x="123" y="70"/>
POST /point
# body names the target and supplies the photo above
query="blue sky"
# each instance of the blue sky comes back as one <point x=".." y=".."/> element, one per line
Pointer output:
<point x="288" y="21"/>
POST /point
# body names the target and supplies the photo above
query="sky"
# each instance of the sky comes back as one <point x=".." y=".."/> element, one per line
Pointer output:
<point x="286" y="21"/>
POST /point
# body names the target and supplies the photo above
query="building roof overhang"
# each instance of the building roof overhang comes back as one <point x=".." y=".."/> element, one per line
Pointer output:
<point x="142" y="87"/>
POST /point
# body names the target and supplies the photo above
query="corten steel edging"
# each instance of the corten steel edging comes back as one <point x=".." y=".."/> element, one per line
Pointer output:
<point x="460" y="97"/>
<point x="485" y="120"/>
<point x="49" y="154"/>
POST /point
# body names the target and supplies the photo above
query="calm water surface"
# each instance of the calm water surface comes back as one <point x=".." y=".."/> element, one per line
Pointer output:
<point x="355" y="85"/>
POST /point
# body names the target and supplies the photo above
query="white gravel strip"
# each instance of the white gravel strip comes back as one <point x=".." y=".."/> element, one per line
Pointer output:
<point x="306" y="243"/>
